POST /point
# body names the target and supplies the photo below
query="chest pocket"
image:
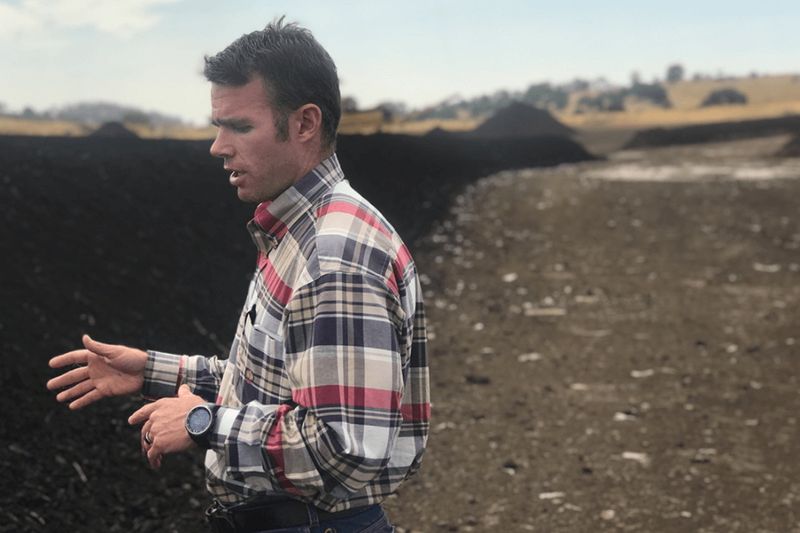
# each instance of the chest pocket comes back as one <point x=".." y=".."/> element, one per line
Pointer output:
<point x="260" y="361"/>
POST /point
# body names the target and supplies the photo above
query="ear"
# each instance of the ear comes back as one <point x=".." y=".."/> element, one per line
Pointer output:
<point x="307" y="122"/>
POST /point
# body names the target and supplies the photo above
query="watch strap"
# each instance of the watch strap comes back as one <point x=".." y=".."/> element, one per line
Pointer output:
<point x="202" y="439"/>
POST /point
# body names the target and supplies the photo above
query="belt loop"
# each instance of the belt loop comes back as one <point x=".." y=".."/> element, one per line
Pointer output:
<point x="313" y="518"/>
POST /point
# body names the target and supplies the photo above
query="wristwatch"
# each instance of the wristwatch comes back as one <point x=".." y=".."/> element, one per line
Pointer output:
<point x="199" y="422"/>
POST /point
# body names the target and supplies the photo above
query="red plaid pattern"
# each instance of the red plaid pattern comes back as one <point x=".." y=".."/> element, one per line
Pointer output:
<point x="325" y="392"/>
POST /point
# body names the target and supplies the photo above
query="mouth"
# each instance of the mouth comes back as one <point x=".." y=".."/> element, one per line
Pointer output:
<point x="235" y="176"/>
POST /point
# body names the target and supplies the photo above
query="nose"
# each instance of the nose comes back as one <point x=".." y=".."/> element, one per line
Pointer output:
<point x="220" y="147"/>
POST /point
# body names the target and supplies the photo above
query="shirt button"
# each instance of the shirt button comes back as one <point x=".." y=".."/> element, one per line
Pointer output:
<point x="248" y="375"/>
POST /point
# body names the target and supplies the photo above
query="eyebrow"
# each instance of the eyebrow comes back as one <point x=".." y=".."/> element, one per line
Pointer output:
<point x="230" y="122"/>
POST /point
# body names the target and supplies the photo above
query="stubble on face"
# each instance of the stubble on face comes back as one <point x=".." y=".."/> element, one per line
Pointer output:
<point x="261" y="165"/>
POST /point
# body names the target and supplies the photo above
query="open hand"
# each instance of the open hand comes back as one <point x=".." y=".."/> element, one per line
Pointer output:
<point x="109" y="370"/>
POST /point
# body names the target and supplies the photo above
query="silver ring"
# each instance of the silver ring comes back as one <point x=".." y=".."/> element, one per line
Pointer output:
<point x="148" y="438"/>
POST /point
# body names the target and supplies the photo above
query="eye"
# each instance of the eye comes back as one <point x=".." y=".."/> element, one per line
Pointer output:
<point x="241" y="128"/>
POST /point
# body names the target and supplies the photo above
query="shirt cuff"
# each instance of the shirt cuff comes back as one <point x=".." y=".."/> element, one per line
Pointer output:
<point x="223" y="424"/>
<point x="162" y="374"/>
<point x="229" y="425"/>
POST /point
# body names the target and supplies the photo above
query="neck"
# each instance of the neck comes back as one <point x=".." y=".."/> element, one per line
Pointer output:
<point x="310" y="162"/>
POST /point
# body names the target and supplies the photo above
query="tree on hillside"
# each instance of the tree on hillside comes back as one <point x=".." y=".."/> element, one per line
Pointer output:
<point x="349" y="104"/>
<point x="393" y="109"/>
<point x="675" y="73"/>
<point x="577" y="84"/>
<point x="136" y="117"/>
<point x="29" y="113"/>
<point x="545" y="96"/>
<point x="100" y="112"/>
<point x="502" y="98"/>
<point x="653" y="93"/>
<point x="608" y="101"/>
<point x="541" y="95"/>
<point x="480" y="106"/>
<point x="727" y="96"/>
<point x="614" y="100"/>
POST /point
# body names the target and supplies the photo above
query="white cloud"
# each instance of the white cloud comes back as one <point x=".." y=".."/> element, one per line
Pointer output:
<point x="15" y="20"/>
<point x="123" y="18"/>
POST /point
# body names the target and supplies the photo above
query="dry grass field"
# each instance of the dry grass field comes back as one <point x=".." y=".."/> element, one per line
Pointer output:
<point x="187" y="133"/>
<point x="421" y="127"/>
<point x="652" y="117"/>
<point x="63" y="128"/>
<point x="768" y="96"/>
<point x="764" y="90"/>
<point x="20" y="126"/>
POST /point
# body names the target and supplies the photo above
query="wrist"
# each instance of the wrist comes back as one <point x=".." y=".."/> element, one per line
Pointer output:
<point x="161" y="376"/>
<point x="200" y="422"/>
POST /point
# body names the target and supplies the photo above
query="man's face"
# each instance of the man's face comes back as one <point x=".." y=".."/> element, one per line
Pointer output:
<point x="261" y="166"/>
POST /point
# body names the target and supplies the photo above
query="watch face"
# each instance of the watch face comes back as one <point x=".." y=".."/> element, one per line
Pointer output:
<point x="199" y="420"/>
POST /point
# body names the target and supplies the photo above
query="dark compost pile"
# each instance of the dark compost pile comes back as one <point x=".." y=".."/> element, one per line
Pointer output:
<point x="143" y="242"/>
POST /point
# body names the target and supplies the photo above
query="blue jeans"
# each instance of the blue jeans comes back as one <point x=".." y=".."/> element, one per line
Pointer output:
<point x="371" y="520"/>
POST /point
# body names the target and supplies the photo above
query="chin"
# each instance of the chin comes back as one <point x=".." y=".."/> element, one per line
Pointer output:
<point x="245" y="196"/>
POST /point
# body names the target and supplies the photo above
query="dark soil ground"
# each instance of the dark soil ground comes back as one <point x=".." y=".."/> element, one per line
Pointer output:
<point x="611" y="354"/>
<point x="790" y="149"/>
<point x="716" y="132"/>
<point x="613" y="343"/>
<point x="143" y="242"/>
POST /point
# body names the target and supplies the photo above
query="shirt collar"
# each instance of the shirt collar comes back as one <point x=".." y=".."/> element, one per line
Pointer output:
<point x="273" y="218"/>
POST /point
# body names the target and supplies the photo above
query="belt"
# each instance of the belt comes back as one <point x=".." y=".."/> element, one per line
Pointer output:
<point x="260" y="516"/>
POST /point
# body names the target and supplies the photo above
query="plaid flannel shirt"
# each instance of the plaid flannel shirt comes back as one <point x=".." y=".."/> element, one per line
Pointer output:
<point x="325" y="393"/>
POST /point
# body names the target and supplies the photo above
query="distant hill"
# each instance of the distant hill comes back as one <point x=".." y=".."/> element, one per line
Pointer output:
<point x="102" y="112"/>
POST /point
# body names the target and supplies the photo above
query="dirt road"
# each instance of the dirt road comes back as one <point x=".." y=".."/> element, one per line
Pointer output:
<point x="615" y="348"/>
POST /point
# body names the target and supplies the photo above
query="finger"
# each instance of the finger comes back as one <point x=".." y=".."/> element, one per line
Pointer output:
<point x="100" y="348"/>
<point x="86" y="399"/>
<point x="142" y="414"/>
<point x="154" y="457"/>
<point x="69" y="378"/>
<point x="146" y="428"/>
<point x="75" y="392"/>
<point x="69" y="358"/>
<point x="184" y="390"/>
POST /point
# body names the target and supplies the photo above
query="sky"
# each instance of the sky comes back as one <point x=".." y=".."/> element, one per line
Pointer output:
<point x="149" y="53"/>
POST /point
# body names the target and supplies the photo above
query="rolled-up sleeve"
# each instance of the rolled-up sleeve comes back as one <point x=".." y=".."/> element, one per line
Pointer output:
<point x="165" y="372"/>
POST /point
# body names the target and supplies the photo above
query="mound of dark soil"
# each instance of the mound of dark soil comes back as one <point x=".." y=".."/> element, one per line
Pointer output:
<point x="143" y="242"/>
<point x="716" y="132"/>
<point x="520" y="120"/>
<point x="115" y="130"/>
<point x="438" y="132"/>
<point x="411" y="179"/>
<point x="790" y="149"/>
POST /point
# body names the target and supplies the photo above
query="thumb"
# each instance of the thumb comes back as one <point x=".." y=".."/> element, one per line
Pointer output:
<point x="99" y="348"/>
<point x="184" y="390"/>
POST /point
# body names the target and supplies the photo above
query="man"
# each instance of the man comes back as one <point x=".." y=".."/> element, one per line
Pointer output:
<point x="322" y="407"/>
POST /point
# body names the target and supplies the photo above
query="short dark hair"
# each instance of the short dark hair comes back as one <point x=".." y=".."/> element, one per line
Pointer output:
<point x="296" y="70"/>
